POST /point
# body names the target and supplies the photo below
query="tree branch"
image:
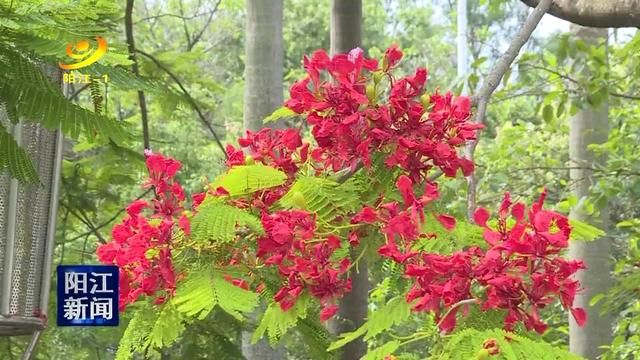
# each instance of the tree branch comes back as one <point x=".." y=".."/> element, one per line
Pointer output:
<point x="595" y="13"/>
<point x="189" y="98"/>
<point x="455" y="306"/>
<point x="77" y="92"/>
<point x="184" y="23"/>
<point x="83" y="219"/>
<point x="491" y="83"/>
<point x="128" y="26"/>
<point x="574" y="81"/>
<point x="110" y="220"/>
<point x="196" y="38"/>
<point x="154" y="17"/>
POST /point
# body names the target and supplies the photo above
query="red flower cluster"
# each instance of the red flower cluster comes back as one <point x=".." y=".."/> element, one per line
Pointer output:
<point x="281" y="149"/>
<point x="141" y="244"/>
<point x="520" y="272"/>
<point x="350" y="121"/>
<point x="401" y="227"/>
<point x="353" y="116"/>
<point x="303" y="261"/>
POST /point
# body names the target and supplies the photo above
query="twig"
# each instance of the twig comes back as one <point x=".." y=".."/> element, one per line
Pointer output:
<point x="189" y="98"/>
<point x="625" y="96"/>
<point x="128" y="26"/>
<point x="110" y="220"/>
<point x="491" y="83"/>
<point x="77" y="92"/>
<point x="87" y="222"/>
<point x="346" y="176"/>
<point x="154" y="17"/>
<point x="455" y="306"/>
<point x="196" y="38"/>
<point x="572" y="80"/>
<point x="184" y="23"/>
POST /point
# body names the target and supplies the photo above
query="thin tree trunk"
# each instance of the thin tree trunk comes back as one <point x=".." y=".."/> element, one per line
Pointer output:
<point x="346" y="25"/>
<point x="263" y="93"/>
<point x="128" y="26"/>
<point x="346" y="34"/>
<point x="589" y="126"/>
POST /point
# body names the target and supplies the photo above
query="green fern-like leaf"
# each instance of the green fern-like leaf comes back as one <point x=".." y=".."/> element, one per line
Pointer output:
<point x="316" y="337"/>
<point x="448" y="241"/>
<point x="15" y="159"/>
<point x="36" y="98"/>
<point x="465" y="344"/>
<point x="204" y="289"/>
<point x="151" y="329"/>
<point x="394" y="312"/>
<point x="216" y="221"/>
<point x="382" y="351"/>
<point x="247" y="179"/>
<point x="280" y="113"/>
<point x="167" y="328"/>
<point x="135" y="337"/>
<point x="325" y="197"/>
<point x="96" y="96"/>
<point x="275" y="322"/>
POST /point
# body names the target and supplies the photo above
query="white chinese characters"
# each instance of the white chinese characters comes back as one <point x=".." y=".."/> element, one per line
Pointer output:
<point x="79" y="304"/>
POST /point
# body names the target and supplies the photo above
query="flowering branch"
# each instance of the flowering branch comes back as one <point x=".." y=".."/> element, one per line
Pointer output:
<point x="491" y="83"/>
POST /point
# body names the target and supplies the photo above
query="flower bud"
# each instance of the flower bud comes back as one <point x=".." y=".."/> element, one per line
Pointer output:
<point x="425" y="100"/>
<point x="371" y="93"/>
<point x="483" y="354"/>
<point x="377" y="76"/>
<point x="298" y="199"/>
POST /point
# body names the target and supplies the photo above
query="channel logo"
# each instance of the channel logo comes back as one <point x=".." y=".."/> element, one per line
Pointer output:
<point x="85" y="52"/>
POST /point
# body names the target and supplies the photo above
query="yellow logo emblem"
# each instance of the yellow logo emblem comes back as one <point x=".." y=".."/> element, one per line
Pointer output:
<point x="85" y="53"/>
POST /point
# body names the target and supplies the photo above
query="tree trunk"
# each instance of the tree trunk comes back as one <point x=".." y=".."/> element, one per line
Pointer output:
<point x="263" y="93"/>
<point x="346" y="34"/>
<point x="346" y="25"/>
<point x="595" y="13"/>
<point x="589" y="126"/>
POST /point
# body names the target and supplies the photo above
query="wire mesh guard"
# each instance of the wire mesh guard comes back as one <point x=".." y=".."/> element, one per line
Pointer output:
<point x="27" y="217"/>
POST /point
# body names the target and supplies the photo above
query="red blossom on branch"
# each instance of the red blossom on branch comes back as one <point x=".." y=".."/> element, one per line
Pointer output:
<point x="303" y="260"/>
<point x="521" y="271"/>
<point x="358" y="110"/>
<point x="141" y="244"/>
<point x="350" y="120"/>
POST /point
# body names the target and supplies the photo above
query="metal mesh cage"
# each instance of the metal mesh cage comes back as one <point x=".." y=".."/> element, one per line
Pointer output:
<point x="25" y="233"/>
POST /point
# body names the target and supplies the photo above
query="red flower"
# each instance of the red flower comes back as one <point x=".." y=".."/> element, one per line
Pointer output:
<point x="304" y="262"/>
<point x="349" y="122"/>
<point x="521" y="271"/>
<point x="141" y="244"/>
<point x="366" y="215"/>
<point x="328" y="312"/>
<point x="448" y="221"/>
<point x="391" y="57"/>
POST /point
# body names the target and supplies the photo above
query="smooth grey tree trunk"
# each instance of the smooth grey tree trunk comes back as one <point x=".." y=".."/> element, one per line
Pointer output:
<point x="346" y="34"/>
<point x="346" y="25"/>
<point x="263" y="93"/>
<point x="589" y="126"/>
